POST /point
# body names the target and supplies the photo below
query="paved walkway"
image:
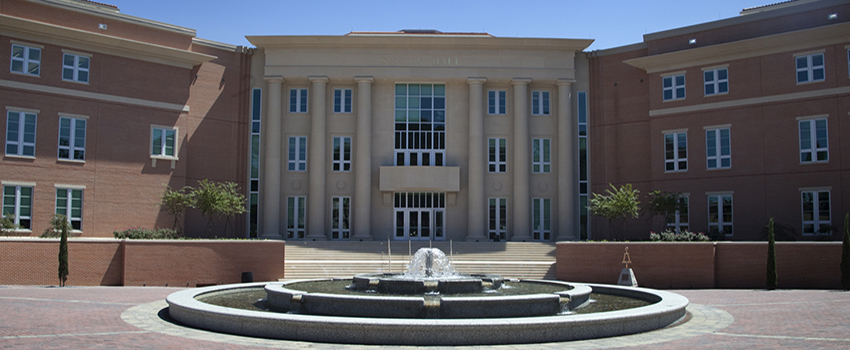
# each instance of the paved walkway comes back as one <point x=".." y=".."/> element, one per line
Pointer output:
<point x="33" y="317"/>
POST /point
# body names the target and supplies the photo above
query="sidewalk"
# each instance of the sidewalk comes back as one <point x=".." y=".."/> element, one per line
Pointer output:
<point x="35" y="317"/>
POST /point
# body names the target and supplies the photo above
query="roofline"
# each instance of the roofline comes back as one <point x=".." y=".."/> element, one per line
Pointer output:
<point x="113" y="13"/>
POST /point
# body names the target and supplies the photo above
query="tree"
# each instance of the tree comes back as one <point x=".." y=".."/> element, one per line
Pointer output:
<point x="772" y="275"/>
<point x="845" y="254"/>
<point x="663" y="203"/>
<point x="175" y="203"/>
<point x="619" y="204"/>
<point x="220" y="200"/>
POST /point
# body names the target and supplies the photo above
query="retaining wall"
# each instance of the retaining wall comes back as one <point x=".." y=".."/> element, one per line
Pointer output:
<point x="111" y="262"/>
<point x="702" y="265"/>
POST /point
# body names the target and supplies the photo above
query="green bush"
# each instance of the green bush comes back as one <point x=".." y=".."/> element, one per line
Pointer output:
<point x="144" y="233"/>
<point x="684" y="236"/>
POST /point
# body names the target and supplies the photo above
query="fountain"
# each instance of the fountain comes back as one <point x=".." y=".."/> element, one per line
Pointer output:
<point x="429" y="304"/>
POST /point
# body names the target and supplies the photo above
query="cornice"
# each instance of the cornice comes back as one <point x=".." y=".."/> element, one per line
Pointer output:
<point x="95" y="42"/>
<point x="766" y="45"/>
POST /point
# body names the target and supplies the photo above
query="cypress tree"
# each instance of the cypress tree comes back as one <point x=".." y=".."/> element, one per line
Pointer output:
<point x="845" y="254"/>
<point x="772" y="275"/>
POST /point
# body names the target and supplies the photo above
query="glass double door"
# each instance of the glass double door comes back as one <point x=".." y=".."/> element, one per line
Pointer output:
<point x="419" y="224"/>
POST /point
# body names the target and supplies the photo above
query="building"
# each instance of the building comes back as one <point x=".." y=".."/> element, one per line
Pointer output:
<point x="418" y="135"/>
<point x="747" y="117"/>
<point x="104" y="110"/>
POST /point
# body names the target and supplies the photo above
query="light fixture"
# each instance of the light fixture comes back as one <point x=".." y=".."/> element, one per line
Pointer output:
<point x="692" y="41"/>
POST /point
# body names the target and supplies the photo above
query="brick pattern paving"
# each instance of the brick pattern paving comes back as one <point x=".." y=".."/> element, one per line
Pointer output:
<point x="36" y="317"/>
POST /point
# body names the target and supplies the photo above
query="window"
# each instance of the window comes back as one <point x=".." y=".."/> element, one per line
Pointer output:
<point x="72" y="138"/>
<point x="17" y="202"/>
<point x="342" y="100"/>
<point x="675" y="151"/>
<point x="540" y="160"/>
<point x="542" y="230"/>
<point x="254" y="168"/>
<point x="296" y="217"/>
<point x="716" y="81"/>
<point x="297" y="100"/>
<point x="69" y="202"/>
<point x="496" y="102"/>
<point x="814" y="145"/>
<point x="816" y="213"/>
<point x="583" y="170"/>
<point x="720" y="214"/>
<point x="498" y="220"/>
<point x="540" y="102"/>
<point x="26" y="60"/>
<point x="497" y="160"/>
<point x="420" y="124"/>
<point x="718" y="153"/>
<point x="298" y="153"/>
<point x="340" y="209"/>
<point x="678" y="220"/>
<point x="810" y="68"/>
<point x="342" y="153"/>
<point x="20" y="133"/>
<point x="673" y="87"/>
<point x="75" y="68"/>
<point x="163" y="142"/>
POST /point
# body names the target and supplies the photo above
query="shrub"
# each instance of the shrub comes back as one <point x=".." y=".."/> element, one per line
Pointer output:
<point x="143" y="233"/>
<point x="684" y="236"/>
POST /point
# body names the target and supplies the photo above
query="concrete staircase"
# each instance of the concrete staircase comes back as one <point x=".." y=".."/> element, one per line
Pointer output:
<point x="344" y="259"/>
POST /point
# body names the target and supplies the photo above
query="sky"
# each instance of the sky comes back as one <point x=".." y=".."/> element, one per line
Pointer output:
<point x="610" y="23"/>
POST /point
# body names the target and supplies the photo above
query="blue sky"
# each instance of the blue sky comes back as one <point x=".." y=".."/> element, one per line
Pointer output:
<point x="610" y="23"/>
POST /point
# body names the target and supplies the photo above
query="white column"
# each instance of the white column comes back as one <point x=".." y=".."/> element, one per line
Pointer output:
<point x="477" y="228"/>
<point x="567" y="199"/>
<point x="316" y="156"/>
<point x="363" y="161"/>
<point x="271" y="161"/>
<point x="521" y="161"/>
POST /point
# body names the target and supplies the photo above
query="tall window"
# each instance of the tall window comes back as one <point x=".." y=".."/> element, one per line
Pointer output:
<point x="540" y="102"/>
<point x="496" y="102"/>
<point x="420" y="124"/>
<point x="542" y="230"/>
<point x="718" y="152"/>
<point x="497" y="159"/>
<point x="814" y="143"/>
<point x="583" y="170"/>
<point x="75" y="68"/>
<point x="673" y="87"/>
<point x="675" y="151"/>
<point x="817" y="216"/>
<point x="810" y="68"/>
<point x="342" y="100"/>
<point x="298" y="153"/>
<point x="498" y="219"/>
<point x="297" y="100"/>
<point x="72" y="138"/>
<point x="296" y="217"/>
<point x="69" y="202"/>
<point x="163" y="142"/>
<point x="720" y="214"/>
<point x="254" y="167"/>
<point x="342" y="153"/>
<point x="26" y="60"/>
<point x="716" y="81"/>
<point x="540" y="160"/>
<point x="678" y="220"/>
<point x="20" y="133"/>
<point x="17" y="202"/>
<point x="340" y="209"/>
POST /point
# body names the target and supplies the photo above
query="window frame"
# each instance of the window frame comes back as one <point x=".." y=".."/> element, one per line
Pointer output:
<point x="497" y="102"/>
<point x="674" y="88"/>
<point x="341" y="155"/>
<point x="718" y="157"/>
<point x="298" y="100"/>
<point x="810" y="67"/>
<point x="20" y="143"/>
<point x="720" y="205"/>
<point x="497" y="158"/>
<point x="541" y="223"/>
<point x="497" y="218"/>
<point x="75" y="68"/>
<point x="541" y="162"/>
<point x="76" y="221"/>
<point x="813" y="150"/>
<point x="343" y="100"/>
<point x="163" y="145"/>
<point x="296" y="217"/>
<point x="17" y="205"/>
<point x="72" y="147"/>
<point x="25" y="60"/>
<point x="676" y="160"/>
<point x="297" y="164"/>
<point x="541" y="102"/>
<point x="340" y="218"/>
<point x="816" y="222"/>
<point x="716" y="83"/>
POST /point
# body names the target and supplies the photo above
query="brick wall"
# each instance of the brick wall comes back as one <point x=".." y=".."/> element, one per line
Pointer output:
<point x="702" y="265"/>
<point x="108" y="262"/>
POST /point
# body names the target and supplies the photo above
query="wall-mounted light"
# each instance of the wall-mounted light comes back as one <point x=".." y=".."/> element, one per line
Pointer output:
<point x="101" y="26"/>
<point x="832" y="16"/>
<point x="692" y="41"/>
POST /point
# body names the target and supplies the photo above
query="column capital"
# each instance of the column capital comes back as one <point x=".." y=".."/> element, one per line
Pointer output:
<point x="565" y="81"/>
<point x="273" y="78"/>
<point x="318" y="79"/>
<point x="476" y="80"/>
<point x="364" y="80"/>
<point x="520" y="81"/>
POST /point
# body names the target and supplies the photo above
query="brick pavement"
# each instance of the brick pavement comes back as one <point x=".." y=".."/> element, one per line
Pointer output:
<point x="127" y="318"/>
